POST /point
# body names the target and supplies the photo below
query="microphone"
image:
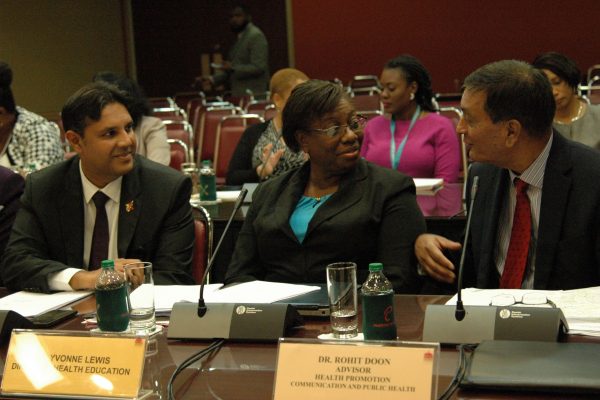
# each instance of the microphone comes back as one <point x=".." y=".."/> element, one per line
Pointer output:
<point x="238" y="203"/>
<point x="234" y="321"/>
<point x="450" y="324"/>
<point x="460" y="313"/>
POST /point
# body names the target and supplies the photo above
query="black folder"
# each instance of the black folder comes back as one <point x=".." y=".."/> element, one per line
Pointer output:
<point x="509" y="365"/>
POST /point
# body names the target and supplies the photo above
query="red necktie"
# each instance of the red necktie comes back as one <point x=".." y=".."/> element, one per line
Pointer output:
<point x="99" y="249"/>
<point x="516" y="258"/>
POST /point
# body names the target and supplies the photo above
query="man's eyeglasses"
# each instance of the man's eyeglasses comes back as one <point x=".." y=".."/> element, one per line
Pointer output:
<point x="528" y="299"/>
<point x="356" y="124"/>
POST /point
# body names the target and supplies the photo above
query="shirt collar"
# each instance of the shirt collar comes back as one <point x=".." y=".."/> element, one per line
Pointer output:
<point x="534" y="174"/>
<point x="112" y="190"/>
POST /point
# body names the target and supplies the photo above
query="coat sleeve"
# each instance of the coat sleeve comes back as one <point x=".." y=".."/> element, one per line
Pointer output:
<point x="259" y="56"/>
<point x="172" y="261"/>
<point x="401" y="223"/>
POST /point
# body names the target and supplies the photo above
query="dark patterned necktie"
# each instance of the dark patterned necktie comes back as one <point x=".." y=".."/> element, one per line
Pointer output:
<point x="100" y="237"/>
<point x="518" y="248"/>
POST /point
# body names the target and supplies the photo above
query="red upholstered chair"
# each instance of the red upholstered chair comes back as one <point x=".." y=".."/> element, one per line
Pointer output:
<point x="270" y="111"/>
<point x="257" y="107"/>
<point x="208" y="129"/>
<point x="158" y="102"/>
<point x="183" y="98"/>
<point x="170" y="113"/>
<point x="366" y="99"/>
<point x="181" y="130"/>
<point x="179" y="153"/>
<point x="229" y="132"/>
<point x="203" y="232"/>
<point x="455" y="114"/>
<point x="363" y="81"/>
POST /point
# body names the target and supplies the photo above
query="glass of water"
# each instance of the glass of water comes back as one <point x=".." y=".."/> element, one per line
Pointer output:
<point x="140" y="297"/>
<point x="341" y="288"/>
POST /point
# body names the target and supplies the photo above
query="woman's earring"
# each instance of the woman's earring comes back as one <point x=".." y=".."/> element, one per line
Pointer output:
<point x="412" y="96"/>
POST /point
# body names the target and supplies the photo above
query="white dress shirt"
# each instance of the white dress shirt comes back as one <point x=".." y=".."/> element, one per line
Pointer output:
<point x="534" y="176"/>
<point x="60" y="280"/>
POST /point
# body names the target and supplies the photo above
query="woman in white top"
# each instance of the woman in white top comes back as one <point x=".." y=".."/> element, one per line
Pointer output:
<point x="574" y="117"/>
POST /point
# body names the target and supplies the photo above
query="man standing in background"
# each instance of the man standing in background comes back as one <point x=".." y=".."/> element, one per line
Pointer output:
<point x="247" y="64"/>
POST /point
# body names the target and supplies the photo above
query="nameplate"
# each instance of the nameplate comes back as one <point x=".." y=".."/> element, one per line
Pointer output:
<point x="73" y="364"/>
<point x="351" y="370"/>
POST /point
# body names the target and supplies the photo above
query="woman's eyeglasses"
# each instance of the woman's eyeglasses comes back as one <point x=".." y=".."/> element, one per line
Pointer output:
<point x="356" y="124"/>
<point x="528" y="299"/>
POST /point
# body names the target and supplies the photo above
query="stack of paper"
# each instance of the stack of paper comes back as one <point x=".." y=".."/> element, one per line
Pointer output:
<point x="249" y="292"/>
<point x="425" y="185"/>
<point x="580" y="306"/>
<point x="31" y="304"/>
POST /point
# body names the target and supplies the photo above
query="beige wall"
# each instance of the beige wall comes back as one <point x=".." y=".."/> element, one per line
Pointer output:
<point x="55" y="46"/>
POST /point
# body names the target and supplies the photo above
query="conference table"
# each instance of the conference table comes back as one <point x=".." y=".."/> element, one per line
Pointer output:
<point x="443" y="211"/>
<point x="247" y="370"/>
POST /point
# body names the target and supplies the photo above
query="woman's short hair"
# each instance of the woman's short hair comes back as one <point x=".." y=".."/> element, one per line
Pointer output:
<point x="7" y="99"/>
<point x="414" y="71"/>
<point x="309" y="102"/>
<point x="561" y="65"/>
<point x="283" y="79"/>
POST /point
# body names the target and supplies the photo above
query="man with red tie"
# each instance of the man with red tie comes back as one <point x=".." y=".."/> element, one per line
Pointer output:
<point x="536" y="213"/>
<point x="104" y="203"/>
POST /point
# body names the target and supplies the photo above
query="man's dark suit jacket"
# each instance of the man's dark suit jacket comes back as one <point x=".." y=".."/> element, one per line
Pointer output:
<point x="568" y="245"/>
<point x="373" y="217"/>
<point x="11" y="188"/>
<point x="155" y="224"/>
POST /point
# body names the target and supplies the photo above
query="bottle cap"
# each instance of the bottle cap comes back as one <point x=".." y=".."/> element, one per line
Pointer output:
<point x="375" y="267"/>
<point x="206" y="162"/>
<point x="107" y="264"/>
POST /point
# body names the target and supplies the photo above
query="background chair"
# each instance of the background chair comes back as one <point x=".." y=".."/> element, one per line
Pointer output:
<point x="455" y="114"/>
<point x="203" y="232"/>
<point x="159" y="102"/>
<point x="229" y="131"/>
<point x="366" y="99"/>
<point x="179" y="153"/>
<point x="364" y="81"/>
<point x="209" y="121"/>
<point x="181" y="130"/>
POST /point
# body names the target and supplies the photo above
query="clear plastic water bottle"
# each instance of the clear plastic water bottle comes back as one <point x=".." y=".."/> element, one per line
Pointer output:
<point x="378" y="305"/>
<point x="208" y="183"/>
<point x="112" y="312"/>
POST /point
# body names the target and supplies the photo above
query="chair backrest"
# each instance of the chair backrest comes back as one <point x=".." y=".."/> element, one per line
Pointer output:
<point x="179" y="153"/>
<point x="208" y="130"/>
<point x="257" y="107"/>
<point x="229" y="132"/>
<point x="181" y="130"/>
<point x="203" y="233"/>
<point x="170" y="113"/>
<point x="270" y="112"/>
<point x="159" y="102"/>
<point x="361" y="81"/>
<point x="455" y="114"/>
<point x="183" y="98"/>
<point x="593" y="71"/>
<point x="366" y="99"/>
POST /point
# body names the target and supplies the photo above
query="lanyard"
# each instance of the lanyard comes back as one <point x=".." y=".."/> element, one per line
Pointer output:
<point x="396" y="155"/>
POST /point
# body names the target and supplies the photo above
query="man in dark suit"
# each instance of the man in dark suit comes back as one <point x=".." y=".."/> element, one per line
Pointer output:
<point x="11" y="188"/>
<point x="104" y="203"/>
<point x="247" y="65"/>
<point x="543" y="231"/>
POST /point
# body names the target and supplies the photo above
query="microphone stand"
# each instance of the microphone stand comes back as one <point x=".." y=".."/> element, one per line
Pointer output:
<point x="238" y="203"/>
<point x="460" y="313"/>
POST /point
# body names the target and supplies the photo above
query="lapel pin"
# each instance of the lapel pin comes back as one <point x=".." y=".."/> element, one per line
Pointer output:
<point x="129" y="206"/>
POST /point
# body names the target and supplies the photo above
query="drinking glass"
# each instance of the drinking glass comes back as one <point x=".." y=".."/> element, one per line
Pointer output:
<point x="341" y="289"/>
<point x="140" y="297"/>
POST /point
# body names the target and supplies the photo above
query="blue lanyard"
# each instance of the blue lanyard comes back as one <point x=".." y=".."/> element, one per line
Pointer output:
<point x="396" y="155"/>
